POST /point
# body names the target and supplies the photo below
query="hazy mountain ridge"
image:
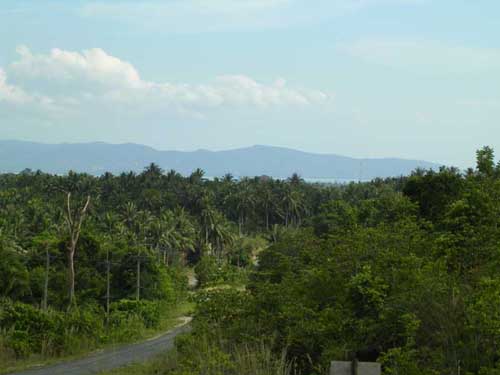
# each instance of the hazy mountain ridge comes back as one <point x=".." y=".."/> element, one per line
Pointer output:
<point x="97" y="158"/>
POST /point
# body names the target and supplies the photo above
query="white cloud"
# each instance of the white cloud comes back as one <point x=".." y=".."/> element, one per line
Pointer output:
<point x="16" y="103"/>
<point x="10" y="93"/>
<point x="94" y="79"/>
<point x="92" y="65"/>
<point x="424" y="55"/>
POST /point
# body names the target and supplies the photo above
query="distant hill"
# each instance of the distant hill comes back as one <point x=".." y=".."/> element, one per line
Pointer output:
<point x="278" y="162"/>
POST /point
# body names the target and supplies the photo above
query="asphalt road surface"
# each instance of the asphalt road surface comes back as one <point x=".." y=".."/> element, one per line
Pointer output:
<point x="114" y="358"/>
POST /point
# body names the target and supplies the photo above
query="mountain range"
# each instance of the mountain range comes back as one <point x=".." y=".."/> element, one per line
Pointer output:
<point x="278" y="162"/>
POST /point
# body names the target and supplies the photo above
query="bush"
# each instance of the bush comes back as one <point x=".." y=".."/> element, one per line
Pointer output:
<point x="222" y="306"/>
<point x="28" y="329"/>
<point x="179" y="280"/>
<point x="209" y="272"/>
<point x="206" y="270"/>
<point x="147" y="311"/>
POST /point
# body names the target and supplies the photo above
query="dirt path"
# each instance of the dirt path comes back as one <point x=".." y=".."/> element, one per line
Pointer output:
<point x="114" y="358"/>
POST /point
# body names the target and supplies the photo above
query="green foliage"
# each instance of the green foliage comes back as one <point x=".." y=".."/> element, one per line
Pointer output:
<point x="335" y="216"/>
<point x="401" y="361"/>
<point x="209" y="354"/>
<point x="224" y="306"/>
<point x="27" y="327"/>
<point x="30" y="330"/>
<point x="486" y="161"/>
<point x="244" y="249"/>
<point x="210" y="272"/>
<point x="407" y="279"/>
<point x="148" y="311"/>
<point x="14" y="275"/>
<point x="206" y="270"/>
<point x="403" y="270"/>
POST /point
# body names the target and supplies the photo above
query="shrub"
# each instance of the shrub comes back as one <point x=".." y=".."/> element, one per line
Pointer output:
<point x="179" y="280"/>
<point x="148" y="311"/>
<point x="209" y="272"/>
<point x="223" y="306"/>
<point x="28" y="328"/>
<point x="206" y="270"/>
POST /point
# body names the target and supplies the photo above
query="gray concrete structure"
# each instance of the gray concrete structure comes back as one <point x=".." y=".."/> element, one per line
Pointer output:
<point x="346" y="368"/>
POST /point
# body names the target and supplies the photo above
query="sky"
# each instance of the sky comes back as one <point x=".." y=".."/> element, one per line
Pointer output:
<point x="415" y="79"/>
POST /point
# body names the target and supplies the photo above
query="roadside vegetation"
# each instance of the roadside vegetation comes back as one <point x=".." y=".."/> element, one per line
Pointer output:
<point x="290" y="275"/>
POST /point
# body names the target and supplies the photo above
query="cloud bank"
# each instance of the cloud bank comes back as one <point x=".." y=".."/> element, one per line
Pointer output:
<point x="68" y="81"/>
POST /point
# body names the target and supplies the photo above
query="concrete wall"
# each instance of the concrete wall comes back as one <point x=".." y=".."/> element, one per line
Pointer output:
<point x="364" y="368"/>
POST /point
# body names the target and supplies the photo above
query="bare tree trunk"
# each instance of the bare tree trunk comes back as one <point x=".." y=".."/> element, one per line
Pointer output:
<point x="74" y="224"/>
<point x="71" y="272"/>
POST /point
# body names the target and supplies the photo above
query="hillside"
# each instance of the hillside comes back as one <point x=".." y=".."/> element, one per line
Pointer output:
<point x="96" y="158"/>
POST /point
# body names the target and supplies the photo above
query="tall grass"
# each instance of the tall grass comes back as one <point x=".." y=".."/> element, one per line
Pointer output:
<point x="207" y="358"/>
<point x="260" y="360"/>
<point x="209" y="353"/>
<point x="7" y="355"/>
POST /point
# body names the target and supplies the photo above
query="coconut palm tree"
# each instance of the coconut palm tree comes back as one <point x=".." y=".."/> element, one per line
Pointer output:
<point x="246" y="202"/>
<point x="293" y="206"/>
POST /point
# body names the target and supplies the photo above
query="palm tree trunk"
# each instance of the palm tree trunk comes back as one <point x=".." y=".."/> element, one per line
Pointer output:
<point x="267" y="218"/>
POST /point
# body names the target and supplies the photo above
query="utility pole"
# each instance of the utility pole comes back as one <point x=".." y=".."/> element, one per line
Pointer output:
<point x="138" y="286"/>
<point x="354" y="367"/>
<point x="46" y="283"/>
<point x="108" y="278"/>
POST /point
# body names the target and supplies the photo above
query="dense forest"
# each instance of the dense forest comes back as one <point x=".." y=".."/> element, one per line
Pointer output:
<point x="291" y="275"/>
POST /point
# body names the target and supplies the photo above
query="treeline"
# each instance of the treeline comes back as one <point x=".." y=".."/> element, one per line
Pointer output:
<point x="403" y="271"/>
<point x="408" y="278"/>
<point x="133" y="222"/>
<point x="104" y="250"/>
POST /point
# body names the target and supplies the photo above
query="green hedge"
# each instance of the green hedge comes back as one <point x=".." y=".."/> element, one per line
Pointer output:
<point x="26" y="330"/>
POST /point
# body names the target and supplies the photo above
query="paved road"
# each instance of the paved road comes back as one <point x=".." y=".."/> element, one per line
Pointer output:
<point x="113" y="358"/>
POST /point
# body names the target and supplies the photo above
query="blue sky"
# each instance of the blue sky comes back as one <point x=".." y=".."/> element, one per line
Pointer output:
<point x="364" y="78"/>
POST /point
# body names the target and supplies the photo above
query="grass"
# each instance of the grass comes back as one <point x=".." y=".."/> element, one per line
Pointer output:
<point x="170" y="320"/>
<point x="207" y="355"/>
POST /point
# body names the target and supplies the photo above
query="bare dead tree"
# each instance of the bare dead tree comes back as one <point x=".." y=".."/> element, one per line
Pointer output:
<point x="74" y="224"/>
